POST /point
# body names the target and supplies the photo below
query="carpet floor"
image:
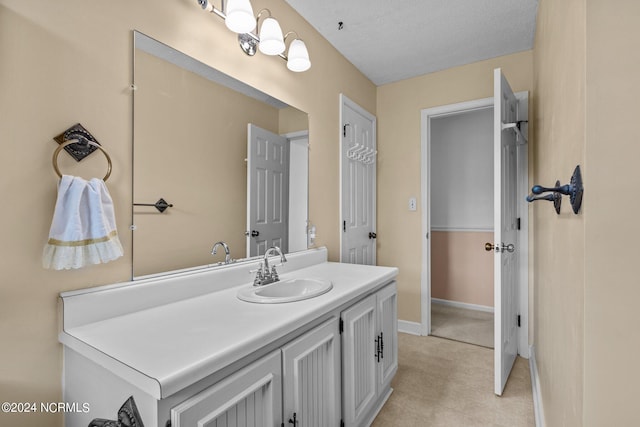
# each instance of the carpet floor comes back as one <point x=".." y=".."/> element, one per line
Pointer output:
<point x="461" y="324"/>
<point x="447" y="383"/>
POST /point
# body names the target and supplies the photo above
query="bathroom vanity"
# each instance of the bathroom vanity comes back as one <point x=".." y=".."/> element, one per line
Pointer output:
<point x="189" y="352"/>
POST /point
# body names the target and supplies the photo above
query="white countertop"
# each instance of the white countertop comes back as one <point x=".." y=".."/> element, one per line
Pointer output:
<point x="174" y="345"/>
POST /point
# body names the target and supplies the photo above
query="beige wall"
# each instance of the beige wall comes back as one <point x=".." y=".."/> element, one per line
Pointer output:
<point x="587" y="83"/>
<point x="71" y="61"/>
<point x="559" y="263"/>
<point x="612" y="230"/>
<point x="399" y="105"/>
<point x="461" y="270"/>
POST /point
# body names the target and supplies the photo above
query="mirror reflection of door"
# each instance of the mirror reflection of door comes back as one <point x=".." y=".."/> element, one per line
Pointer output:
<point x="268" y="191"/>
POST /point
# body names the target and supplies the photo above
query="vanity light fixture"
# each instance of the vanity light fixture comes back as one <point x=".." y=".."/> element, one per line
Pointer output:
<point x="239" y="18"/>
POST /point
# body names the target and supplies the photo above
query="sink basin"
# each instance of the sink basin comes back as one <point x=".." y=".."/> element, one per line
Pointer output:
<point x="285" y="291"/>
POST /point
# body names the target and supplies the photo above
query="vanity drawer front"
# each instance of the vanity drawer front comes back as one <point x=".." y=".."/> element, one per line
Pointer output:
<point x="251" y="397"/>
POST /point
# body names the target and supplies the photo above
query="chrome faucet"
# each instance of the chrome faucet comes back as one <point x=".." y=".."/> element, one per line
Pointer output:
<point x="264" y="275"/>
<point x="227" y="255"/>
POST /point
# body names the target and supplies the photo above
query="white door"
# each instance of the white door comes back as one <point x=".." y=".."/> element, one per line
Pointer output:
<point x="505" y="231"/>
<point x="267" y="191"/>
<point x="358" y="187"/>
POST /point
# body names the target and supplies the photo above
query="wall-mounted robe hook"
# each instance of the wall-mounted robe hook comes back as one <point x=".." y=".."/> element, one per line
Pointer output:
<point x="555" y="197"/>
<point x="574" y="190"/>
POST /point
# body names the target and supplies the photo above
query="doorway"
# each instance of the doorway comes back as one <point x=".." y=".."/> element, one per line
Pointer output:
<point x="431" y="236"/>
<point x="461" y="172"/>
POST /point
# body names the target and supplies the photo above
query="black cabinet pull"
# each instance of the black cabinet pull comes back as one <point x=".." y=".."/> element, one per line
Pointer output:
<point x="381" y="346"/>
<point x="377" y="352"/>
<point x="293" y="421"/>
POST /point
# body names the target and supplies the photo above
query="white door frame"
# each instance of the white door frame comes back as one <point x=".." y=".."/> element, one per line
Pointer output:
<point x="345" y="101"/>
<point x="425" y="181"/>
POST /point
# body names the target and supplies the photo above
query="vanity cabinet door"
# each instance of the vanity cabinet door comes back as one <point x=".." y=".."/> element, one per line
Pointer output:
<point x="387" y="300"/>
<point x="311" y="378"/>
<point x="251" y="397"/>
<point x="370" y="354"/>
<point x="359" y="361"/>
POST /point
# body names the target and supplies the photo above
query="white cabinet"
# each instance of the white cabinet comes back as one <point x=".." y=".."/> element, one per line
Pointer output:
<point x="369" y="354"/>
<point x="303" y="378"/>
<point x="251" y="397"/>
<point x="311" y="378"/>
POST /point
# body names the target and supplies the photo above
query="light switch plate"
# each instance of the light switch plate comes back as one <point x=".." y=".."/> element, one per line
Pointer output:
<point x="413" y="205"/>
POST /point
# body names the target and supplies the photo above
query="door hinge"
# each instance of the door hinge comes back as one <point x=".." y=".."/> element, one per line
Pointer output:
<point x="518" y="320"/>
<point x="518" y="223"/>
<point x="341" y="326"/>
<point x="344" y="226"/>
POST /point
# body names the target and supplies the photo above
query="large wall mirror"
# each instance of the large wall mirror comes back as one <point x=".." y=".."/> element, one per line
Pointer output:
<point x="232" y="161"/>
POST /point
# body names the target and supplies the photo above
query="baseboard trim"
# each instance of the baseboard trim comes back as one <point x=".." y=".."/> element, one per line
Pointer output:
<point x="535" y="388"/>
<point x="466" y="305"/>
<point x="379" y="408"/>
<point x="413" y="328"/>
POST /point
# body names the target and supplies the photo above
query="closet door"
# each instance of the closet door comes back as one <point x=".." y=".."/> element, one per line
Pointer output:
<point x="358" y="175"/>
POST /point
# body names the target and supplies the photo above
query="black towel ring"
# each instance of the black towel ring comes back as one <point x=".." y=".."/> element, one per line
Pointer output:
<point x="75" y="141"/>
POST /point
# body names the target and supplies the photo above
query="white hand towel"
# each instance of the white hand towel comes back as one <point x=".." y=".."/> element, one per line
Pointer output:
<point x="83" y="230"/>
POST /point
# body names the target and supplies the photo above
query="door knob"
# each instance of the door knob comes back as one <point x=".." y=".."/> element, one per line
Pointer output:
<point x="509" y="248"/>
<point x="252" y="233"/>
<point x="502" y="248"/>
<point x="372" y="235"/>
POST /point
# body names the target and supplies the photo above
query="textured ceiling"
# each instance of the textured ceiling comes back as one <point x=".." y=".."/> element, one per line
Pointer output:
<point x="395" y="40"/>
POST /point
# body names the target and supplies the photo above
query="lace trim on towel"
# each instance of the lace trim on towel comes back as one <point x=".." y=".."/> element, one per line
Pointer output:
<point x="61" y="255"/>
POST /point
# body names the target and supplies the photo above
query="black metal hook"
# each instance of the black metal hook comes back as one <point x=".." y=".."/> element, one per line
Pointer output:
<point x="574" y="190"/>
<point x="161" y="205"/>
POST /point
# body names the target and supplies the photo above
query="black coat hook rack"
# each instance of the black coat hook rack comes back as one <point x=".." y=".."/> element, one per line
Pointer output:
<point x="574" y="190"/>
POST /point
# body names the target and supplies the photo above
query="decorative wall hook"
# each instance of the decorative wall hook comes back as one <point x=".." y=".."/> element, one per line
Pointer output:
<point x="555" y="197"/>
<point x="574" y="190"/>
<point x="128" y="415"/>
<point x="161" y="205"/>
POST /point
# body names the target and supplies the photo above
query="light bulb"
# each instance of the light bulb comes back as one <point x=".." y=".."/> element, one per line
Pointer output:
<point x="239" y="16"/>
<point x="298" y="57"/>
<point x="271" y="40"/>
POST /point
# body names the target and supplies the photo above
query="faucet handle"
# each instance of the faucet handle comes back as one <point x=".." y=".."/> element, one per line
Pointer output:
<point x="260" y="269"/>
<point x="274" y="274"/>
<point x="259" y="279"/>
